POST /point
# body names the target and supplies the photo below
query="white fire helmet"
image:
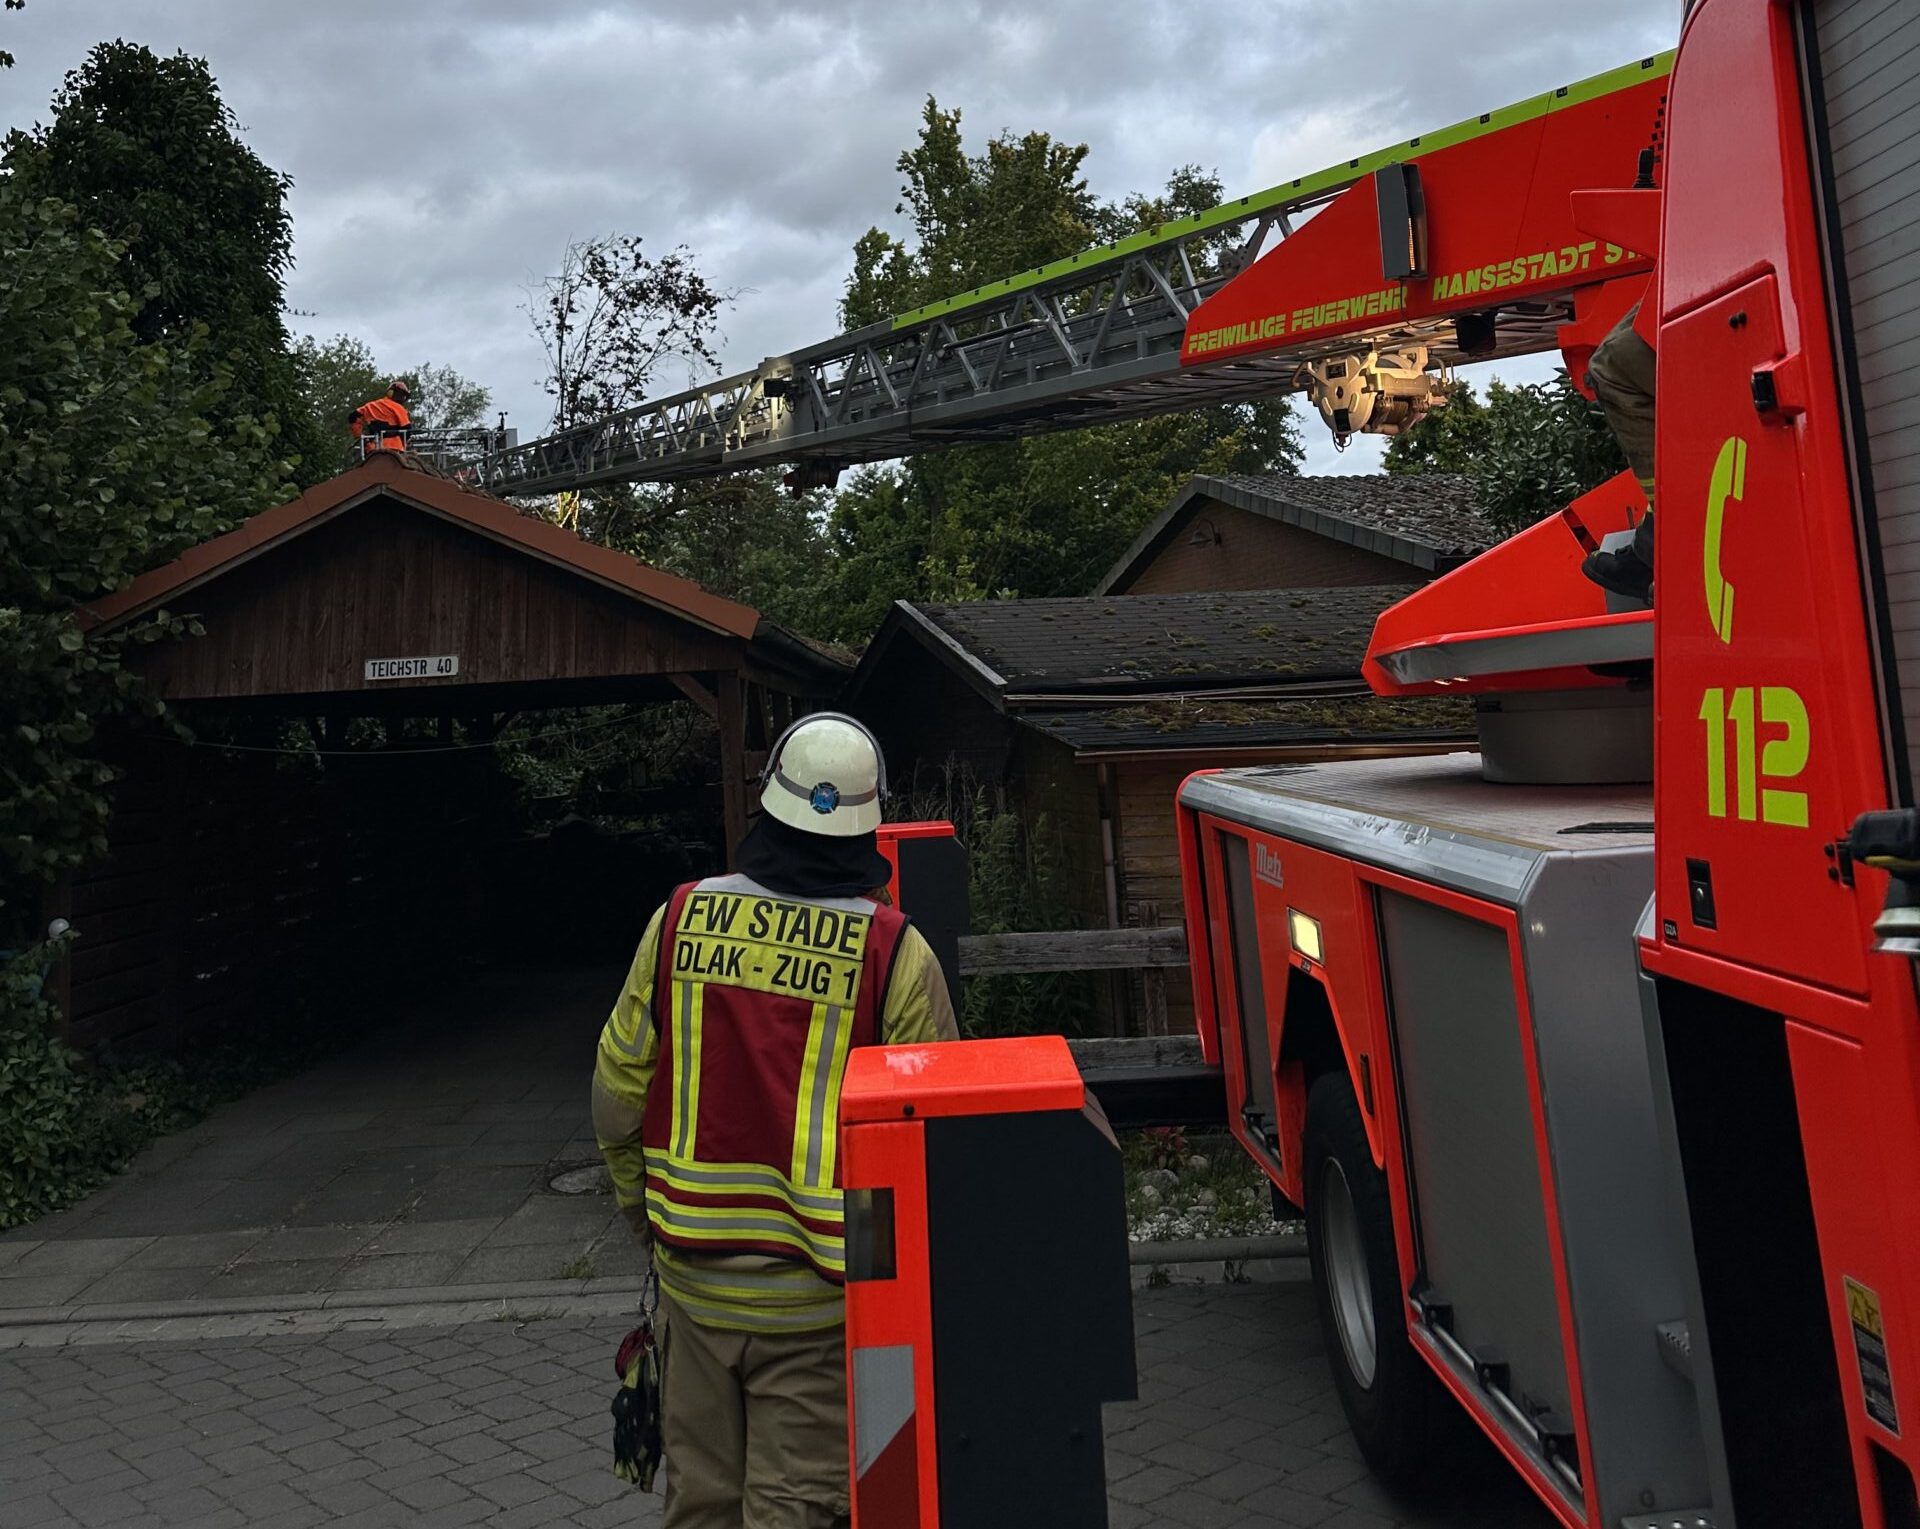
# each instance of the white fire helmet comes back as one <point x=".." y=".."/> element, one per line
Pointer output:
<point x="825" y="775"/>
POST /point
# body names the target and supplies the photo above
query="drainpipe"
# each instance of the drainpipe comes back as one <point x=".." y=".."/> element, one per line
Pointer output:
<point x="1108" y="866"/>
<point x="1119" y="988"/>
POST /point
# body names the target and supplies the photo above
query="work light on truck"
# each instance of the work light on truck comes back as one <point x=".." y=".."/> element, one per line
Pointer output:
<point x="1304" y="935"/>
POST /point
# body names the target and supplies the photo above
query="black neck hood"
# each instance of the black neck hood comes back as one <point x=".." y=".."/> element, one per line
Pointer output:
<point x="783" y="859"/>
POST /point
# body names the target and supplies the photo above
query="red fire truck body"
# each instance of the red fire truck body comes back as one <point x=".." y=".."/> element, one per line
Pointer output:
<point x="1600" y="1101"/>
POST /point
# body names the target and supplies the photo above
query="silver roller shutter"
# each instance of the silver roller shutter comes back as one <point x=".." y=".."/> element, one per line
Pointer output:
<point x="1866" y="55"/>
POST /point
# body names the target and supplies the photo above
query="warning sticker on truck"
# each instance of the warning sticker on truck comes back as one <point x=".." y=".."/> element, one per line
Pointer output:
<point x="1870" y="1348"/>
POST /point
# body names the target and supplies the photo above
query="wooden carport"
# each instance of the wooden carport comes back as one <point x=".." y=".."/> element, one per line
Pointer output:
<point x="387" y="592"/>
<point x="321" y="607"/>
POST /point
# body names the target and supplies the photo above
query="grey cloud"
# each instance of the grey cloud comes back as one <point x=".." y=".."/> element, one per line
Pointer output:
<point x="444" y="154"/>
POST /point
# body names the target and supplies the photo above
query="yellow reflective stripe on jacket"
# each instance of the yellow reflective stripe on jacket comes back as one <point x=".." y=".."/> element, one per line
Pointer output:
<point x="816" y="1131"/>
<point x="744" y="1178"/>
<point x="728" y="1225"/>
<point x="748" y="1293"/>
<point x="736" y="936"/>
<point x="745" y="1292"/>
<point x="689" y="1000"/>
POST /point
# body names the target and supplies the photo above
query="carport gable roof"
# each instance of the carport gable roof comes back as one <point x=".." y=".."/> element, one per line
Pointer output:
<point x="1427" y="520"/>
<point x="479" y="513"/>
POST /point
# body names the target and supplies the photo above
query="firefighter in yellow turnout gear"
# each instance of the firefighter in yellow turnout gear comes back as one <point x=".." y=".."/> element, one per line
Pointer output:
<point x="716" y="1103"/>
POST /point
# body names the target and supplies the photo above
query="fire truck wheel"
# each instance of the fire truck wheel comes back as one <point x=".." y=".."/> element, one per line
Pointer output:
<point x="1391" y="1399"/>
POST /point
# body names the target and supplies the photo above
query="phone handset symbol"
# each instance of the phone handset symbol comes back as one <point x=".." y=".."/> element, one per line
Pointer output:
<point x="1729" y="482"/>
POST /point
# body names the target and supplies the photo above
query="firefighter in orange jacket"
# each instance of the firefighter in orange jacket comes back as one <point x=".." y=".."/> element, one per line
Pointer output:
<point x="386" y="417"/>
<point x="716" y="1100"/>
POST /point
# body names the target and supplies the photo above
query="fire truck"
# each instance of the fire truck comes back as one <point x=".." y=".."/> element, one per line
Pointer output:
<point x="1593" y="1058"/>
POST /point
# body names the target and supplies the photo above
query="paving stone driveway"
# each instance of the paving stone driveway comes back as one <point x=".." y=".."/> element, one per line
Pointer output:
<point x="503" y="1423"/>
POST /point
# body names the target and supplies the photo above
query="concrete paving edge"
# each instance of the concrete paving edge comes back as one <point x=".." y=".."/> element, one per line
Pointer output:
<point x="613" y="1307"/>
<point x="319" y="1300"/>
<point x="1211" y="1250"/>
<point x="456" y="1305"/>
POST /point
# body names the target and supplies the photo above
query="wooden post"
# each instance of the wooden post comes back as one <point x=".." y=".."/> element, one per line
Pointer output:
<point x="759" y="730"/>
<point x="1153" y="985"/>
<point x="732" y="722"/>
<point x="763" y="713"/>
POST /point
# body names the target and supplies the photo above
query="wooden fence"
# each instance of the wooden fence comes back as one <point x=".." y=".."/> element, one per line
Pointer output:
<point x="1151" y="952"/>
<point x="1141" y="1080"/>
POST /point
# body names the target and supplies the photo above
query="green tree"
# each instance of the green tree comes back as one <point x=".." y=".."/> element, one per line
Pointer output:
<point x="742" y="536"/>
<point x="881" y="550"/>
<point x="1048" y="514"/>
<point x="445" y="400"/>
<point x="1043" y="516"/>
<point x="6" y="58"/>
<point x="611" y="316"/>
<point x="975" y="218"/>
<point x="1531" y="448"/>
<point x="150" y="154"/>
<point x="1448" y="440"/>
<point x="114" y="456"/>
<point x="336" y="376"/>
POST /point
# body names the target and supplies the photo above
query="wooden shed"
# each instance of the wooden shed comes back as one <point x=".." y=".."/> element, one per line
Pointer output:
<point x="1283" y="530"/>
<point x="387" y="592"/>
<point x="1087" y="712"/>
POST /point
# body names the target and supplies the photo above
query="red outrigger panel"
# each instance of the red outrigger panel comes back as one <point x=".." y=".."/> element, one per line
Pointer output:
<point x="1521" y="616"/>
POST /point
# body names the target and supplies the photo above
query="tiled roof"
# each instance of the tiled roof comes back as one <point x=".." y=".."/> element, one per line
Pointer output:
<point x="1196" y="723"/>
<point x="1147" y="642"/>
<point x="1434" y="510"/>
<point x="1427" y="520"/>
<point x="478" y="512"/>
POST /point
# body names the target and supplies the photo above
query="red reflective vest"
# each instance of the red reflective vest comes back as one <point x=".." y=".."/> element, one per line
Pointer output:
<point x="758" y="1000"/>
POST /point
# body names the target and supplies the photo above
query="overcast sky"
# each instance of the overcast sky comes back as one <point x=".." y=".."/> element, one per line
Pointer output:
<point x="444" y="154"/>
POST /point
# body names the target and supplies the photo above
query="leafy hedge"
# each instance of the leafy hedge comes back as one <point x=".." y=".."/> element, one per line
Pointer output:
<point x="111" y="461"/>
<point x="65" y="1125"/>
<point x="69" y="1122"/>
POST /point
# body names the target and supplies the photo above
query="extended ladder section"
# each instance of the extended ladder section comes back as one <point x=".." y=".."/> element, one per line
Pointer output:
<point x="1455" y="246"/>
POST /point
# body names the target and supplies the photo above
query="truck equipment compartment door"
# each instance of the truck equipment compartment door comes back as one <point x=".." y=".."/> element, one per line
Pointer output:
<point x="1465" y="1072"/>
<point x="1260" y="1113"/>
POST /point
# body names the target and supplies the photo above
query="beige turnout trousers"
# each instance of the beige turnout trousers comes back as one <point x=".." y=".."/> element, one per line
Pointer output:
<point x="755" y="1427"/>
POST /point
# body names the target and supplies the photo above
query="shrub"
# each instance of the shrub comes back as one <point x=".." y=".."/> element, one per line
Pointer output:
<point x="1014" y="884"/>
<point x="68" y="1122"/>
